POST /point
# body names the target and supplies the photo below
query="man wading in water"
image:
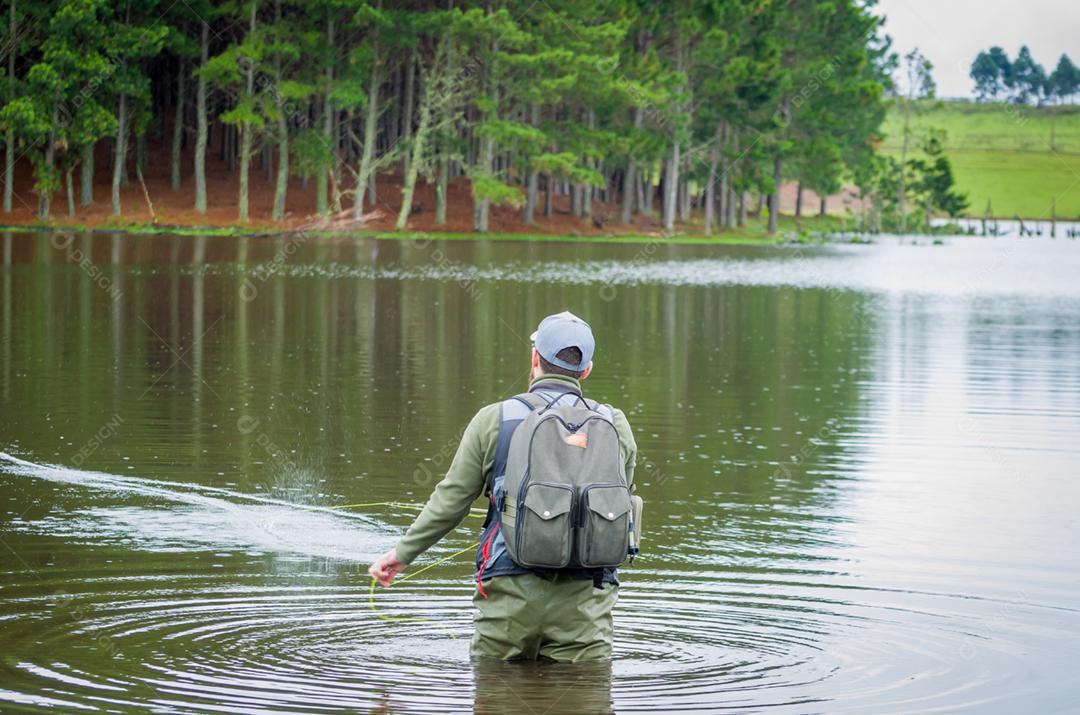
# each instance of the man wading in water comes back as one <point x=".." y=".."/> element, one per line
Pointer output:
<point x="558" y="471"/>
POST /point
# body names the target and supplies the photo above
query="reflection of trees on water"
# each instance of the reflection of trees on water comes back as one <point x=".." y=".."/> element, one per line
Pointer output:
<point x="737" y="394"/>
<point x="6" y="312"/>
<point x="361" y="381"/>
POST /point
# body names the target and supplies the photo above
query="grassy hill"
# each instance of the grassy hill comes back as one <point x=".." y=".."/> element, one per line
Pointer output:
<point x="1019" y="158"/>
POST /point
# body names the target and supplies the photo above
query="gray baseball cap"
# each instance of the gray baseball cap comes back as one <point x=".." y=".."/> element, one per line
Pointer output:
<point x="564" y="330"/>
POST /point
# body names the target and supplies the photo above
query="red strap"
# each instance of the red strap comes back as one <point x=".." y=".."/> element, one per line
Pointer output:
<point x="483" y="564"/>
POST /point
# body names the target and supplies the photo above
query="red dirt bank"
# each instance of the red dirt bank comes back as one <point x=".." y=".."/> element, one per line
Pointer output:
<point x="174" y="208"/>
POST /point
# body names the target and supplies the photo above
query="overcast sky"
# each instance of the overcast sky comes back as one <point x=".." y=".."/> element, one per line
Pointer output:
<point x="951" y="32"/>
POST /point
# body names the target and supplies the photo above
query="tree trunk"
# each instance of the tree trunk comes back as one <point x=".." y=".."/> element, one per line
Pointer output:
<point x="532" y="195"/>
<point x="45" y="197"/>
<point x="774" y="197"/>
<point x="710" y="191"/>
<point x="323" y="177"/>
<point x="9" y="157"/>
<point x="549" y="195"/>
<point x="86" y="176"/>
<point x="732" y="170"/>
<point x="364" y="173"/>
<point x="481" y="204"/>
<point x="406" y="120"/>
<point x="533" y="184"/>
<point x="671" y="178"/>
<point x="140" y="152"/>
<point x="9" y="168"/>
<point x="778" y="173"/>
<point x="469" y="137"/>
<point x="393" y="109"/>
<point x="69" y="185"/>
<point x="644" y="202"/>
<point x="283" y="167"/>
<point x="246" y="131"/>
<point x="630" y="181"/>
<point x="245" y="165"/>
<point x="587" y="190"/>
<point x="684" y="199"/>
<point x="798" y="201"/>
<point x="725" y="174"/>
<point x="120" y="153"/>
<point x="201" y="128"/>
<point x="440" y="189"/>
<point x="282" y="186"/>
<point x="742" y="208"/>
<point x="417" y="155"/>
<point x="823" y="210"/>
<point x="671" y="183"/>
<point x="337" y="163"/>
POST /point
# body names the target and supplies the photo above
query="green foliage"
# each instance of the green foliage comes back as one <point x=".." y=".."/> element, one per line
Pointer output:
<point x="1022" y="80"/>
<point x="75" y="72"/>
<point x="310" y="153"/>
<point x="578" y="91"/>
<point x="992" y="72"/>
<point x="490" y="187"/>
<point x="27" y="118"/>
<point x="244" y="112"/>
<point x="929" y="185"/>
<point x="1028" y="78"/>
<point x="565" y="164"/>
<point x="933" y="184"/>
<point x="1064" y="82"/>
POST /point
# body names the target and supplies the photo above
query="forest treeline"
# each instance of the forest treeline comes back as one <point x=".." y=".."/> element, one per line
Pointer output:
<point x="646" y="105"/>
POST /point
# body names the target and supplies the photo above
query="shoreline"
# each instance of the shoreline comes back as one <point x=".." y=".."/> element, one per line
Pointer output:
<point x="749" y="235"/>
<point x="815" y="229"/>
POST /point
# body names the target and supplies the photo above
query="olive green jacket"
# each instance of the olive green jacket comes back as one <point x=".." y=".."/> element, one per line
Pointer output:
<point x="467" y="476"/>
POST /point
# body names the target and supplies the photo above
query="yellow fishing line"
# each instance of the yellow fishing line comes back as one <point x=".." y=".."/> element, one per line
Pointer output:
<point x="415" y="619"/>
<point x="478" y="513"/>
<point x="475" y="513"/>
<point x="378" y="503"/>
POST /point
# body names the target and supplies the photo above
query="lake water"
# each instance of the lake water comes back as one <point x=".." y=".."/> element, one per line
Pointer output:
<point x="859" y="464"/>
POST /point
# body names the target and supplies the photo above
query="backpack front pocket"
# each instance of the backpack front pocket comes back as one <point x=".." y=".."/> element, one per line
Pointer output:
<point x="543" y="526"/>
<point x="605" y="525"/>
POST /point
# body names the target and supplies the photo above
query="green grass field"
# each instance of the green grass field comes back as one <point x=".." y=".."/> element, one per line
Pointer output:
<point x="1019" y="158"/>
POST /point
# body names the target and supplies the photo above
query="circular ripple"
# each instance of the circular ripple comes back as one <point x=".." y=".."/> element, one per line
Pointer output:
<point x="701" y="645"/>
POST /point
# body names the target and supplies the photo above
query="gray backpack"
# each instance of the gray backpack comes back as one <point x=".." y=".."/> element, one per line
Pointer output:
<point x="566" y="500"/>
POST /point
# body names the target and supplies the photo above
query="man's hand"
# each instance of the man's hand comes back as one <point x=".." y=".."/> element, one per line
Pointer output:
<point x="386" y="567"/>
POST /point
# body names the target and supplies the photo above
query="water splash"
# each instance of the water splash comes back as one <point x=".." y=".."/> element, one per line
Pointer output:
<point x="179" y="516"/>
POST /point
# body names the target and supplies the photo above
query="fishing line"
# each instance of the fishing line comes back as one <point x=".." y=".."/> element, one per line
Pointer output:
<point x="475" y="513"/>
<point x="433" y="564"/>
<point x="415" y="619"/>
<point x="378" y="503"/>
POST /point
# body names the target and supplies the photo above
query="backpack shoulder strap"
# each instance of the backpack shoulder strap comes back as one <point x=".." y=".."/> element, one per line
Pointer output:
<point x="553" y="394"/>
<point x="512" y="412"/>
<point x="604" y="411"/>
